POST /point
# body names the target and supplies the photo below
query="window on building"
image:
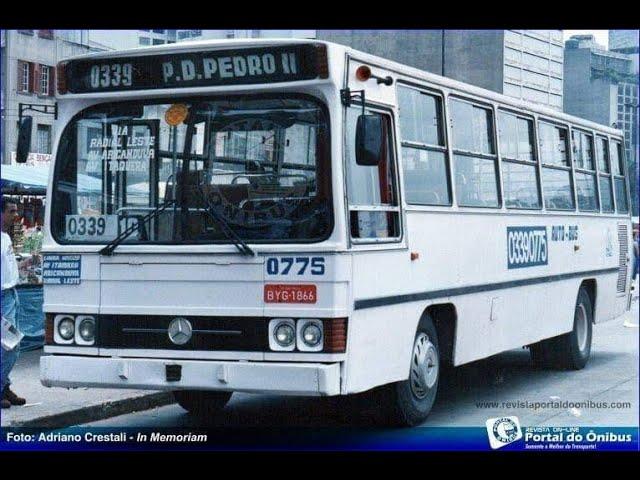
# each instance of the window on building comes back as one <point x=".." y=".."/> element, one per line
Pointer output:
<point x="556" y="169"/>
<point x="161" y="32"/>
<point x="45" y="80"/>
<point x="43" y="139"/>
<point x="158" y="42"/>
<point x="617" y="168"/>
<point x="26" y="32"/>
<point x="48" y="34"/>
<point x="475" y="159"/>
<point x="424" y="154"/>
<point x="606" y="187"/>
<point x="145" y="41"/>
<point x="230" y="34"/>
<point x="24" y="77"/>
<point x="519" y="166"/>
<point x="535" y="45"/>
<point x="512" y="56"/>
<point x="513" y="38"/>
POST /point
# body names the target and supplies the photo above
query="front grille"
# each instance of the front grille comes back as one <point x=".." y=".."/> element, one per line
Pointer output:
<point x="245" y="334"/>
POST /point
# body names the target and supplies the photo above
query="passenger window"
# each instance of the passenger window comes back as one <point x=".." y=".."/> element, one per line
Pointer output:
<point x="606" y="187"/>
<point x="556" y="171"/>
<point x="420" y="117"/>
<point x="618" y="177"/>
<point x="472" y="127"/>
<point x="476" y="173"/>
<point x="424" y="156"/>
<point x="372" y="193"/>
<point x="582" y="150"/>
<point x="586" y="182"/>
<point x="553" y="145"/>
<point x="519" y="166"/>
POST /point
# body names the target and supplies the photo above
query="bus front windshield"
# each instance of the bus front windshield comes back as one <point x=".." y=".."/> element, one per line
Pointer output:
<point x="256" y="165"/>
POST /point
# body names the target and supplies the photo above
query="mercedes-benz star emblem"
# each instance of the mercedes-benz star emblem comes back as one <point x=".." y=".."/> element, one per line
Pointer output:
<point x="180" y="331"/>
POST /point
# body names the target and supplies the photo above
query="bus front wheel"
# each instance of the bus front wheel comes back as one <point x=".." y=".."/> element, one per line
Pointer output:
<point x="572" y="350"/>
<point x="409" y="402"/>
<point x="202" y="403"/>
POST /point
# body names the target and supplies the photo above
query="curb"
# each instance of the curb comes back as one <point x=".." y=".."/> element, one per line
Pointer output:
<point x="101" y="411"/>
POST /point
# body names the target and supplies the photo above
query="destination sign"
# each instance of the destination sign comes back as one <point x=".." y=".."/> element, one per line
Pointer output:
<point x="239" y="66"/>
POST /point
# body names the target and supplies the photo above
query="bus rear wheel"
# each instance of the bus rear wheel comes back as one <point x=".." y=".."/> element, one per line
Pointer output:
<point x="572" y="350"/>
<point x="202" y="403"/>
<point x="408" y="403"/>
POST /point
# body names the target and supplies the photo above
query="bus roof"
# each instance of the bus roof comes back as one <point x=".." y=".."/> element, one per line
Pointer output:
<point x="395" y="67"/>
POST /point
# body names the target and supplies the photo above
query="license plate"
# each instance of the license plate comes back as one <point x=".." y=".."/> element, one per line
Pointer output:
<point x="278" y="293"/>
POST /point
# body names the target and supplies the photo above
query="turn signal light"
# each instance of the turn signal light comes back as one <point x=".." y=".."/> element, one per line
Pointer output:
<point x="335" y="335"/>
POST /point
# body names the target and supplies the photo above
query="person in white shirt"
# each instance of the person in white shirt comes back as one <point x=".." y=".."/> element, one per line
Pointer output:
<point x="9" y="278"/>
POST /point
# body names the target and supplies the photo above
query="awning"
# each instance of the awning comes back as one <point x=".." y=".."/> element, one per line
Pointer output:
<point x="33" y="180"/>
<point x="24" y="179"/>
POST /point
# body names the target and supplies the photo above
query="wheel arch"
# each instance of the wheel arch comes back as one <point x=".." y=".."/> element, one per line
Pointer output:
<point x="444" y="317"/>
<point x="591" y="286"/>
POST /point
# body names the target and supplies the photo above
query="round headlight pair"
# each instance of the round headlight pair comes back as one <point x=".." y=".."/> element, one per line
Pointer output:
<point x="86" y="329"/>
<point x="286" y="332"/>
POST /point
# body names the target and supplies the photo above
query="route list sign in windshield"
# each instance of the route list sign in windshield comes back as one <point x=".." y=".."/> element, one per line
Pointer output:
<point x="197" y="69"/>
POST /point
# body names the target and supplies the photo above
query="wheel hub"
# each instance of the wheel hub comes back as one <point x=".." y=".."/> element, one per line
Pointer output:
<point x="582" y="328"/>
<point x="424" y="366"/>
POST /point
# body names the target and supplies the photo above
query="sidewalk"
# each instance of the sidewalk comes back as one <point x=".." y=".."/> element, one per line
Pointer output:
<point x="61" y="407"/>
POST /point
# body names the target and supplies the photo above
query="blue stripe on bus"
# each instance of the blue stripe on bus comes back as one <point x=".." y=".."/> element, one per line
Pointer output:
<point x="452" y="292"/>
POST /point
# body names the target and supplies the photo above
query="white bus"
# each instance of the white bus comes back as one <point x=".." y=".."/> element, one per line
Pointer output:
<point x="298" y="217"/>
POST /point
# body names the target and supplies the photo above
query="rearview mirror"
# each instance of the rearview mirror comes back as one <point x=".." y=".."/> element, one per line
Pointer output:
<point x="369" y="140"/>
<point x="24" y="139"/>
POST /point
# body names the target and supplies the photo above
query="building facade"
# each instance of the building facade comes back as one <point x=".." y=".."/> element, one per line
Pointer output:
<point x="602" y="85"/>
<point x="526" y="64"/>
<point x="126" y="39"/>
<point x="29" y="58"/>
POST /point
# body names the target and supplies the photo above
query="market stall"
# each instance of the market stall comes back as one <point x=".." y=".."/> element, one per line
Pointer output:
<point x="26" y="187"/>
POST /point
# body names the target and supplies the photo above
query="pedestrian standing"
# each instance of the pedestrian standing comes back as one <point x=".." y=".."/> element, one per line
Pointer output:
<point x="10" y="278"/>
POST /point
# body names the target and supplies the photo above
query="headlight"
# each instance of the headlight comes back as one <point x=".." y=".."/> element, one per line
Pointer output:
<point x="285" y="335"/>
<point x="282" y="335"/>
<point x="310" y="335"/>
<point x="85" y="330"/>
<point x="66" y="329"/>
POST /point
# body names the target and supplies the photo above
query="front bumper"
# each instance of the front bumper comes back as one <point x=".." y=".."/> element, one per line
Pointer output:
<point x="313" y="379"/>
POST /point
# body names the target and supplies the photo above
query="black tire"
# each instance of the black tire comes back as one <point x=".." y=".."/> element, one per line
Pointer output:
<point x="572" y="350"/>
<point x="408" y="403"/>
<point x="202" y="403"/>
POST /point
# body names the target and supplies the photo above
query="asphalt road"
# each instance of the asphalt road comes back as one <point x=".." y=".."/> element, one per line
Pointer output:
<point x="556" y="398"/>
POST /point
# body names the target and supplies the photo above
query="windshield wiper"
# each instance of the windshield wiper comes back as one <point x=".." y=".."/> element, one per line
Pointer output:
<point x="126" y="233"/>
<point x="240" y="244"/>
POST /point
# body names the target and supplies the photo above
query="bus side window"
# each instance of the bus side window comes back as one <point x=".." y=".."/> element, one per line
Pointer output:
<point x="620" y="185"/>
<point x="556" y="169"/>
<point x="372" y="190"/>
<point x="474" y="155"/>
<point x="586" y="183"/>
<point x="606" y="187"/>
<point x="424" y="153"/>
<point x="519" y="163"/>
